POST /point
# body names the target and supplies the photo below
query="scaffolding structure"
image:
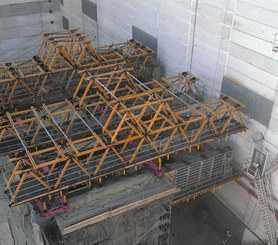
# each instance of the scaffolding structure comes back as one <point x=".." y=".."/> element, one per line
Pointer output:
<point x="116" y="124"/>
<point x="149" y="224"/>
<point x="74" y="116"/>
<point x="98" y="119"/>
<point x="57" y="67"/>
<point x="141" y="218"/>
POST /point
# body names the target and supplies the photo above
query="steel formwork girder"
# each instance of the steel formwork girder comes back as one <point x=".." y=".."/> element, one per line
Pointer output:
<point x="115" y="123"/>
<point x="57" y="65"/>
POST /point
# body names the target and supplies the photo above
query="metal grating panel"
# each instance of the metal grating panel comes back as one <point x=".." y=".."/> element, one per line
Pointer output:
<point x="144" y="38"/>
<point x="259" y="107"/>
<point x="90" y="9"/>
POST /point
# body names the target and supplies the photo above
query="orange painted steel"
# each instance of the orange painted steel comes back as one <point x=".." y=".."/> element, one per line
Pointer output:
<point x="56" y="67"/>
<point x="113" y="124"/>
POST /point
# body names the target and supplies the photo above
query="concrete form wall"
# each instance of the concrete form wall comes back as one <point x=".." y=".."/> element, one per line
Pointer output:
<point x="21" y="22"/>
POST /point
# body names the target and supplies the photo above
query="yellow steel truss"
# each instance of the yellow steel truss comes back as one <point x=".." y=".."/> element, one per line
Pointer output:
<point x="113" y="123"/>
<point x="56" y="68"/>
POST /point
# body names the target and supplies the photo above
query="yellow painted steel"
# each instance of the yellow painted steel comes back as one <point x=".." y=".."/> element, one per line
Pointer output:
<point x="112" y="123"/>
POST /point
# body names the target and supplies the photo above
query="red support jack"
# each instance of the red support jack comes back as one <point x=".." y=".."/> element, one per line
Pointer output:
<point x="53" y="206"/>
<point x="153" y="166"/>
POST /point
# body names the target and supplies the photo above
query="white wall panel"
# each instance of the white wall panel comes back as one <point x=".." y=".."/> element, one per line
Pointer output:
<point x="257" y="13"/>
<point x="253" y="72"/>
<point x="251" y="42"/>
<point x="268" y="4"/>
<point x="253" y="58"/>
<point x="254" y="28"/>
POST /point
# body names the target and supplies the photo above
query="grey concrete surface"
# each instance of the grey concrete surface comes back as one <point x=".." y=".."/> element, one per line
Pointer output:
<point x="193" y="224"/>
<point x="21" y="22"/>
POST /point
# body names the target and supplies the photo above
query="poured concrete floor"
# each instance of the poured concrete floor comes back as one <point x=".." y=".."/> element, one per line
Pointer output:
<point x="193" y="224"/>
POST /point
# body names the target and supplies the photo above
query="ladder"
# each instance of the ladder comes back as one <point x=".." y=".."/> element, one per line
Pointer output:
<point x="267" y="215"/>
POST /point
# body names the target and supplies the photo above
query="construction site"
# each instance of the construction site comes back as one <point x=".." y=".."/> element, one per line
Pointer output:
<point x="135" y="122"/>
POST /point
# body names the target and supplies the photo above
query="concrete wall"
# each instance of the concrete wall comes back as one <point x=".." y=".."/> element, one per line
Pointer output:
<point x="233" y="38"/>
<point x="166" y="20"/>
<point x="243" y="224"/>
<point x="72" y="11"/>
<point x="21" y="22"/>
<point x="210" y="41"/>
<point x="252" y="63"/>
<point x="245" y="207"/>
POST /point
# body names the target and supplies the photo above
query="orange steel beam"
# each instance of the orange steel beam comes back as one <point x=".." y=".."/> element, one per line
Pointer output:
<point x="58" y="64"/>
<point x="115" y="124"/>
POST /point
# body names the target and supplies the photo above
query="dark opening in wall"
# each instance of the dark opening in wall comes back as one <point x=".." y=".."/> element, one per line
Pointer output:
<point x="144" y="38"/>
<point x="65" y="22"/>
<point x="62" y="2"/>
<point x="89" y="9"/>
<point x="259" y="107"/>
